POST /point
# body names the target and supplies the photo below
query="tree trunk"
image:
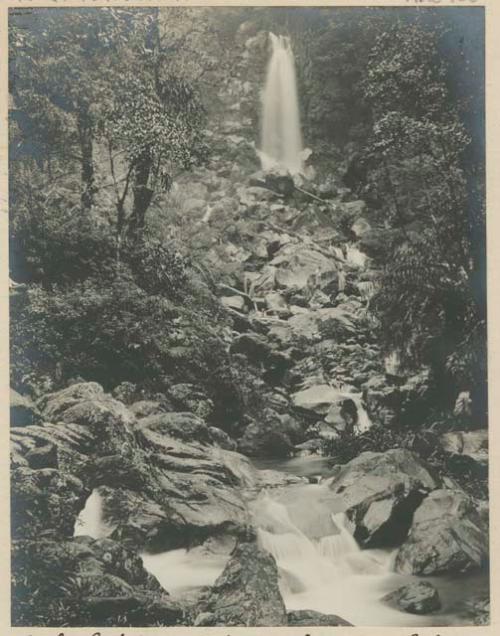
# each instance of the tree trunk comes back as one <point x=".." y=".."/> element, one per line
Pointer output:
<point x="87" y="152"/>
<point x="142" y="197"/>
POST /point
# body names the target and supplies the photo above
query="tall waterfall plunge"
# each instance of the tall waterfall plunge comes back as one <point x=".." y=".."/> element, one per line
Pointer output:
<point x="281" y="138"/>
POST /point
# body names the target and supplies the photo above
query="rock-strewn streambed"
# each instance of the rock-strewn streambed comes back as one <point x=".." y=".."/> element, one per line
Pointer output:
<point x="165" y="485"/>
<point x="152" y="512"/>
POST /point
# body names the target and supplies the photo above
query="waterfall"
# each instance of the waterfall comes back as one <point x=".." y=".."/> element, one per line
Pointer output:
<point x="315" y="545"/>
<point x="90" y="521"/>
<point x="320" y="564"/>
<point x="281" y="139"/>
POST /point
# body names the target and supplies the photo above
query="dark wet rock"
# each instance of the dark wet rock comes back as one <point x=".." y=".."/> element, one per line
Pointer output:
<point x="311" y="618"/>
<point x="277" y="181"/>
<point x="127" y="392"/>
<point x="109" y="421"/>
<point x="446" y="536"/>
<point x="415" y="598"/>
<point x="247" y="591"/>
<point x="258" y="351"/>
<point x="467" y="449"/>
<point x="23" y="410"/>
<point x="43" y="456"/>
<point x="271" y="435"/>
<point x="182" y="493"/>
<point x="390" y="401"/>
<point x="93" y="582"/>
<point x="380" y="492"/>
<point x="47" y="502"/>
<point x="191" y="398"/>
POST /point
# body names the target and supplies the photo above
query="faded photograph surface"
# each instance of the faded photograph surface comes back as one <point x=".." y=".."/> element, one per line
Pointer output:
<point x="248" y="317"/>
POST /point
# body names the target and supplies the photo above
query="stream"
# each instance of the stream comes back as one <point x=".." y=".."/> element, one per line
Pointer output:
<point x="321" y="567"/>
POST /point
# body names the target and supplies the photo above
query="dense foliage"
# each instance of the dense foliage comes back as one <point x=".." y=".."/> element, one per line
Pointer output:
<point x="415" y="169"/>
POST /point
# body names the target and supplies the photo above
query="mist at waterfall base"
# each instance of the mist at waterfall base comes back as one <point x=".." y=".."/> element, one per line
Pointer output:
<point x="281" y="138"/>
<point x="320" y="565"/>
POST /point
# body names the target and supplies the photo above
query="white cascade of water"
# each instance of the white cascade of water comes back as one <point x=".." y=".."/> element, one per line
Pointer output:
<point x="320" y="565"/>
<point x="281" y="138"/>
<point x="347" y="392"/>
<point x="90" y="521"/>
<point x="312" y="548"/>
<point x="364" y="423"/>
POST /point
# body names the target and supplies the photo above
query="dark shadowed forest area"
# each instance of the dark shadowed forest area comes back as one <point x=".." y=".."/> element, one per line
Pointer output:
<point x="248" y="316"/>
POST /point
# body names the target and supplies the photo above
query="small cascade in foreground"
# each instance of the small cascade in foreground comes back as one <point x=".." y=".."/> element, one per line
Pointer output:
<point x="319" y="561"/>
<point x="311" y="550"/>
<point x="281" y="138"/>
<point x="90" y="521"/>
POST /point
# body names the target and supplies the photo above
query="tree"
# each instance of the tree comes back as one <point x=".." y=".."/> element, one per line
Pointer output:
<point x="81" y="77"/>
<point x="153" y="119"/>
<point x="415" y="164"/>
<point x="56" y="80"/>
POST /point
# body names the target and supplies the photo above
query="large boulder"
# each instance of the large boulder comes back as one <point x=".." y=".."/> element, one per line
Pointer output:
<point x="72" y="442"/>
<point x="271" y="435"/>
<point x="317" y="398"/>
<point x="302" y="268"/>
<point x="55" y="404"/>
<point x="277" y="181"/>
<point x="259" y="351"/>
<point x="446" y="536"/>
<point x="23" y="411"/>
<point x="175" y="493"/>
<point x="467" y="450"/>
<point x="86" y="582"/>
<point x="86" y="404"/>
<point x="47" y="502"/>
<point x="247" y="591"/>
<point x="188" y="397"/>
<point x="380" y="492"/>
<point x="416" y="598"/>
